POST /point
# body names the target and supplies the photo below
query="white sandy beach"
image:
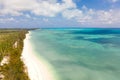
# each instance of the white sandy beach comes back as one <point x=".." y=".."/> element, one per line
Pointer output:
<point x="37" y="68"/>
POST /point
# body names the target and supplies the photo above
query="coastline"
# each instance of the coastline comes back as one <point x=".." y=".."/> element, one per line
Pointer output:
<point x="37" y="69"/>
<point x="11" y="45"/>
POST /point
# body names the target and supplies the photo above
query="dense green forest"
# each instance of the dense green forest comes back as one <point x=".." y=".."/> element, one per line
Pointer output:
<point x="11" y="45"/>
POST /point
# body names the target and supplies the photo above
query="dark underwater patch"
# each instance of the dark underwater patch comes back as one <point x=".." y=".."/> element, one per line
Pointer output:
<point x="114" y="41"/>
<point x="105" y="40"/>
<point x="79" y="38"/>
<point x="96" y="31"/>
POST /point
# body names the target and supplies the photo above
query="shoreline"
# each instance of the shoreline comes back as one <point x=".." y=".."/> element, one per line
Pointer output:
<point x="11" y="45"/>
<point x="37" y="69"/>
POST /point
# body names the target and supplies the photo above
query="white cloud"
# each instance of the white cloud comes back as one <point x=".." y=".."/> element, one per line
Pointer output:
<point x="95" y="17"/>
<point x="45" y="19"/>
<point x="112" y="1"/>
<point x="38" y="7"/>
<point x="27" y="16"/>
<point x="74" y="13"/>
<point x="50" y="8"/>
<point x="3" y="20"/>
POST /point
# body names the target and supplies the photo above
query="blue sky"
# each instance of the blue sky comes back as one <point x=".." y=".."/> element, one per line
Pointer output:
<point x="59" y="13"/>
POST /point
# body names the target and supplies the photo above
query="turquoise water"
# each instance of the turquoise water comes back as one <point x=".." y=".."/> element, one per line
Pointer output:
<point x="80" y="54"/>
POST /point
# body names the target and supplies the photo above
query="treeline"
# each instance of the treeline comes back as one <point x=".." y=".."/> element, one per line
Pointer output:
<point x="15" y="69"/>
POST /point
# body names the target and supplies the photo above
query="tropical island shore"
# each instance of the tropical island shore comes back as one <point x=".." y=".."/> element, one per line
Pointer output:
<point x="18" y="60"/>
<point x="11" y="45"/>
<point x="37" y="68"/>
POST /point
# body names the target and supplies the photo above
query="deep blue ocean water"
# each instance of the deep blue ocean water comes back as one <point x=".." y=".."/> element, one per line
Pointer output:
<point x="80" y="54"/>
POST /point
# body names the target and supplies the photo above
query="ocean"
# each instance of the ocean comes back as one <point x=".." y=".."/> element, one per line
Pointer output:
<point x="78" y="54"/>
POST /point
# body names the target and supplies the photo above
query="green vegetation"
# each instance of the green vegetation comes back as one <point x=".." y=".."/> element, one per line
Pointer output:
<point x="15" y="69"/>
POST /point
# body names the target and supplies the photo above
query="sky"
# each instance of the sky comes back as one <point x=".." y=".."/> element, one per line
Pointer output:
<point x="59" y="13"/>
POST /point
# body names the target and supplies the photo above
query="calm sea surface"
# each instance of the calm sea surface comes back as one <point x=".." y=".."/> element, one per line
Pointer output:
<point x="80" y="54"/>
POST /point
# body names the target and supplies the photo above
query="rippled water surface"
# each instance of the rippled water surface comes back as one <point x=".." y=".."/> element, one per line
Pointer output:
<point x="80" y="54"/>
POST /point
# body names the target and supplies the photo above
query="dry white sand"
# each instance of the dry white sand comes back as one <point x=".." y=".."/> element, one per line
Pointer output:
<point x="5" y="60"/>
<point x="37" y="68"/>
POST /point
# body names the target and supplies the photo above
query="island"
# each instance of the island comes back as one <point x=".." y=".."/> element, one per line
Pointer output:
<point x="11" y="45"/>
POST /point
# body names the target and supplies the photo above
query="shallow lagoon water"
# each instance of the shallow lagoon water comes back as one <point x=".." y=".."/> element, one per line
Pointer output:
<point x="79" y="54"/>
